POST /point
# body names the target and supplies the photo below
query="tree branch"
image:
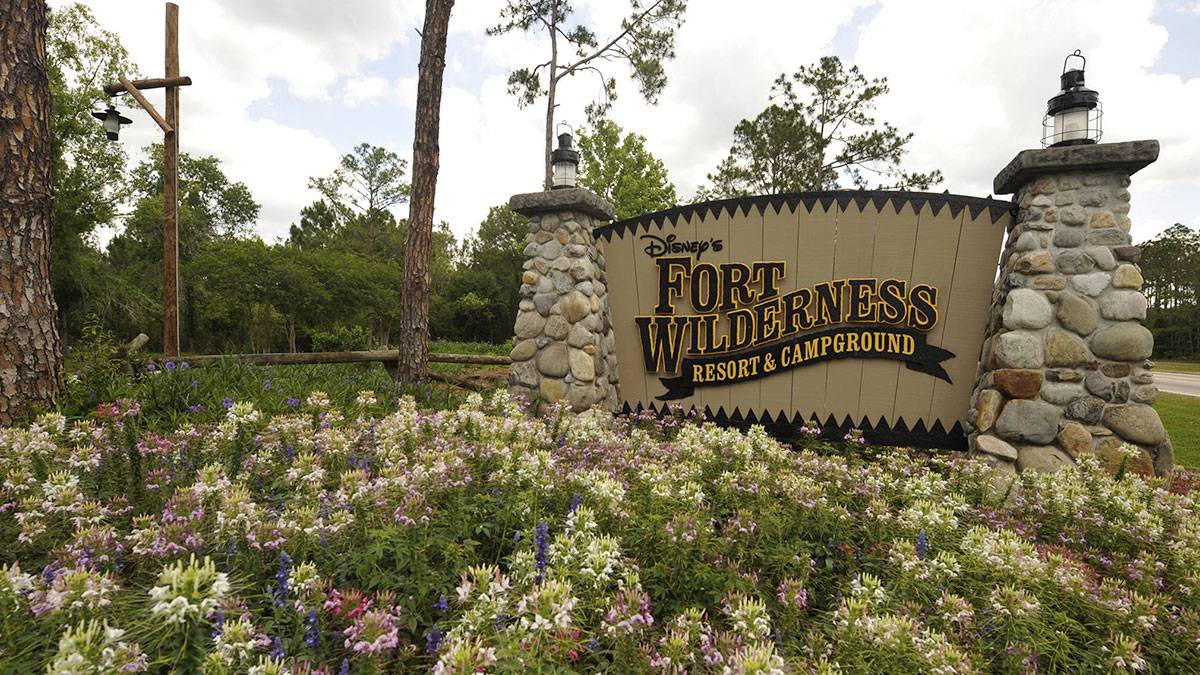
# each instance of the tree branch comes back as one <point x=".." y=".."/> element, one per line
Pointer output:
<point x="567" y="70"/>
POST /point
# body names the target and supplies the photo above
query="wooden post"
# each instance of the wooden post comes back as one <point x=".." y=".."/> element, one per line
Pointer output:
<point x="171" y="191"/>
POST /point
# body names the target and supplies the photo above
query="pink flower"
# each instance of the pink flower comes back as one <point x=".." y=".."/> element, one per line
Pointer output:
<point x="373" y="633"/>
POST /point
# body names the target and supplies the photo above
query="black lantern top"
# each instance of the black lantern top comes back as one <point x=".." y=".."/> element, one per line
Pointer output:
<point x="1074" y="95"/>
<point x="564" y="153"/>
<point x="113" y="120"/>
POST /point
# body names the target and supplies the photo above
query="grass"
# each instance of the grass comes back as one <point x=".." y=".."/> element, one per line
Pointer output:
<point x="1181" y="415"/>
<point x="1177" y="366"/>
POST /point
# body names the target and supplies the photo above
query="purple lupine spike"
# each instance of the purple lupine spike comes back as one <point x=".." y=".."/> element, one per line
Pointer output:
<point x="312" y="629"/>
<point x="541" y="541"/>
<point x="281" y="577"/>
<point x="434" y="640"/>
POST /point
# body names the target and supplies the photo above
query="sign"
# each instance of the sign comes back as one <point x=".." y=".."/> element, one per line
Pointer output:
<point x="847" y="308"/>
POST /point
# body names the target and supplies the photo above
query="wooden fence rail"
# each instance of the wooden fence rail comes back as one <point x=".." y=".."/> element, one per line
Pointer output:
<point x="385" y="356"/>
<point x="371" y="356"/>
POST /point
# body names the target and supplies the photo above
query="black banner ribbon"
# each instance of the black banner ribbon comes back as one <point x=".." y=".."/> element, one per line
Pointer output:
<point x="849" y="342"/>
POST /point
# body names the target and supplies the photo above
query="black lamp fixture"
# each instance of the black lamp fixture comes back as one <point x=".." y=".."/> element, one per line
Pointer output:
<point x="565" y="161"/>
<point x="113" y="120"/>
<point x="1073" y="116"/>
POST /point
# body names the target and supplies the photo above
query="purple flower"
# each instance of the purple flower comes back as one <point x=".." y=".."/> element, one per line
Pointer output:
<point x="183" y="366"/>
<point x="293" y="401"/>
<point x="277" y="649"/>
<point x="150" y="367"/>
<point x="922" y="545"/>
<point x="541" y="542"/>
<point x="266" y="385"/>
<point x="227" y="402"/>
<point x="195" y="408"/>
<point x="345" y="669"/>
<point x="576" y="500"/>
<point x="312" y="629"/>
<point x="281" y="577"/>
<point x="442" y="605"/>
<point x="169" y="365"/>
<point x="434" y="640"/>
<point x="218" y="624"/>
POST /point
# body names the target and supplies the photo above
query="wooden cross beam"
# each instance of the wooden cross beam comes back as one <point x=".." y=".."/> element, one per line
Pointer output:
<point x="114" y="88"/>
<point x="137" y="96"/>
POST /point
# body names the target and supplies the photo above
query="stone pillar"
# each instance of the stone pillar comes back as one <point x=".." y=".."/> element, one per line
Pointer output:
<point x="564" y="346"/>
<point x="1064" y="370"/>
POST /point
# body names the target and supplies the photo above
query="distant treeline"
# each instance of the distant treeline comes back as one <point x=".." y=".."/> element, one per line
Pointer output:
<point x="1171" y="267"/>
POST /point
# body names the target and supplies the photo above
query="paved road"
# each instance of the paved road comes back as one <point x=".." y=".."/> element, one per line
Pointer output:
<point x="1177" y="383"/>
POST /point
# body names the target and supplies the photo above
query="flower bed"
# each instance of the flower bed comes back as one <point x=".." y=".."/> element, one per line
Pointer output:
<point x="331" y="540"/>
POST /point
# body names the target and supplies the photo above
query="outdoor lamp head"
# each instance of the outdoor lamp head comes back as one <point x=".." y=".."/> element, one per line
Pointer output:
<point x="113" y="121"/>
<point x="1073" y="116"/>
<point x="565" y="162"/>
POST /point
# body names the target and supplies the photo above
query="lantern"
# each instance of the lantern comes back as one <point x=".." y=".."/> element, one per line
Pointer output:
<point x="1073" y="116"/>
<point x="113" y="121"/>
<point x="565" y="163"/>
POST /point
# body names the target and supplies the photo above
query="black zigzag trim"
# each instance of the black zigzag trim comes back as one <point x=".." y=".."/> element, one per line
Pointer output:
<point x="996" y="208"/>
<point x="785" y="428"/>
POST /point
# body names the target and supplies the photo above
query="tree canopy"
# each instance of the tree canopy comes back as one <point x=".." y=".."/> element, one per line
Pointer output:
<point x="1170" y="265"/>
<point x="819" y="132"/>
<point x="618" y="167"/>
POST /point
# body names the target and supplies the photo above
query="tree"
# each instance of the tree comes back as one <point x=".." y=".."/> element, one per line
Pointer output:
<point x="414" y="321"/>
<point x="479" y="300"/>
<point x="1170" y="265"/>
<point x="816" y="141"/>
<point x="212" y="208"/>
<point x="30" y="354"/>
<point x="621" y="169"/>
<point x="644" y="40"/>
<point x="367" y="183"/>
<point x="89" y="171"/>
<point x="317" y="229"/>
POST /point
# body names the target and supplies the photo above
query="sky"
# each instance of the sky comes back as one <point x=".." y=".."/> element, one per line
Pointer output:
<point x="283" y="88"/>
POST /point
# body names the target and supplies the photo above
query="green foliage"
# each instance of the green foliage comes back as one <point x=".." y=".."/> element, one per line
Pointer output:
<point x="818" y="132"/>
<point x="1170" y="265"/>
<point x="478" y="300"/>
<point x="89" y="171"/>
<point x="339" y="338"/>
<point x="95" y="372"/>
<point x="620" y="169"/>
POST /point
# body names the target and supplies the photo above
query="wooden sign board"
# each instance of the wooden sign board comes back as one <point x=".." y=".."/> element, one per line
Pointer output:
<point x="852" y="309"/>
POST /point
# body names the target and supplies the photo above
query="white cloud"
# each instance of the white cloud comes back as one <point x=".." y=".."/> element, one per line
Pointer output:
<point x="364" y="90"/>
<point x="974" y="96"/>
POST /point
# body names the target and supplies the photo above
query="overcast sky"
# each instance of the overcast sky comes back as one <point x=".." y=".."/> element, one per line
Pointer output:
<point x="282" y="88"/>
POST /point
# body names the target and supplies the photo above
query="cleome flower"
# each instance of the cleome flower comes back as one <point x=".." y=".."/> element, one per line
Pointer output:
<point x="188" y="591"/>
<point x="95" y="647"/>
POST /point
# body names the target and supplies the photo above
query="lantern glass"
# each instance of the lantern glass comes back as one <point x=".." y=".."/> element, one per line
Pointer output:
<point x="564" y="174"/>
<point x="112" y="124"/>
<point x="1071" y="125"/>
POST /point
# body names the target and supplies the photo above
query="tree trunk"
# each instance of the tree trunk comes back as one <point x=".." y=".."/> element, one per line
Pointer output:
<point x="414" y="322"/>
<point x="551" y="90"/>
<point x="291" y="334"/>
<point x="30" y="355"/>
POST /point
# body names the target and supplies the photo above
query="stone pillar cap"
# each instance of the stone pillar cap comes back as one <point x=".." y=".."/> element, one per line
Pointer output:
<point x="568" y="199"/>
<point x="1029" y="164"/>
